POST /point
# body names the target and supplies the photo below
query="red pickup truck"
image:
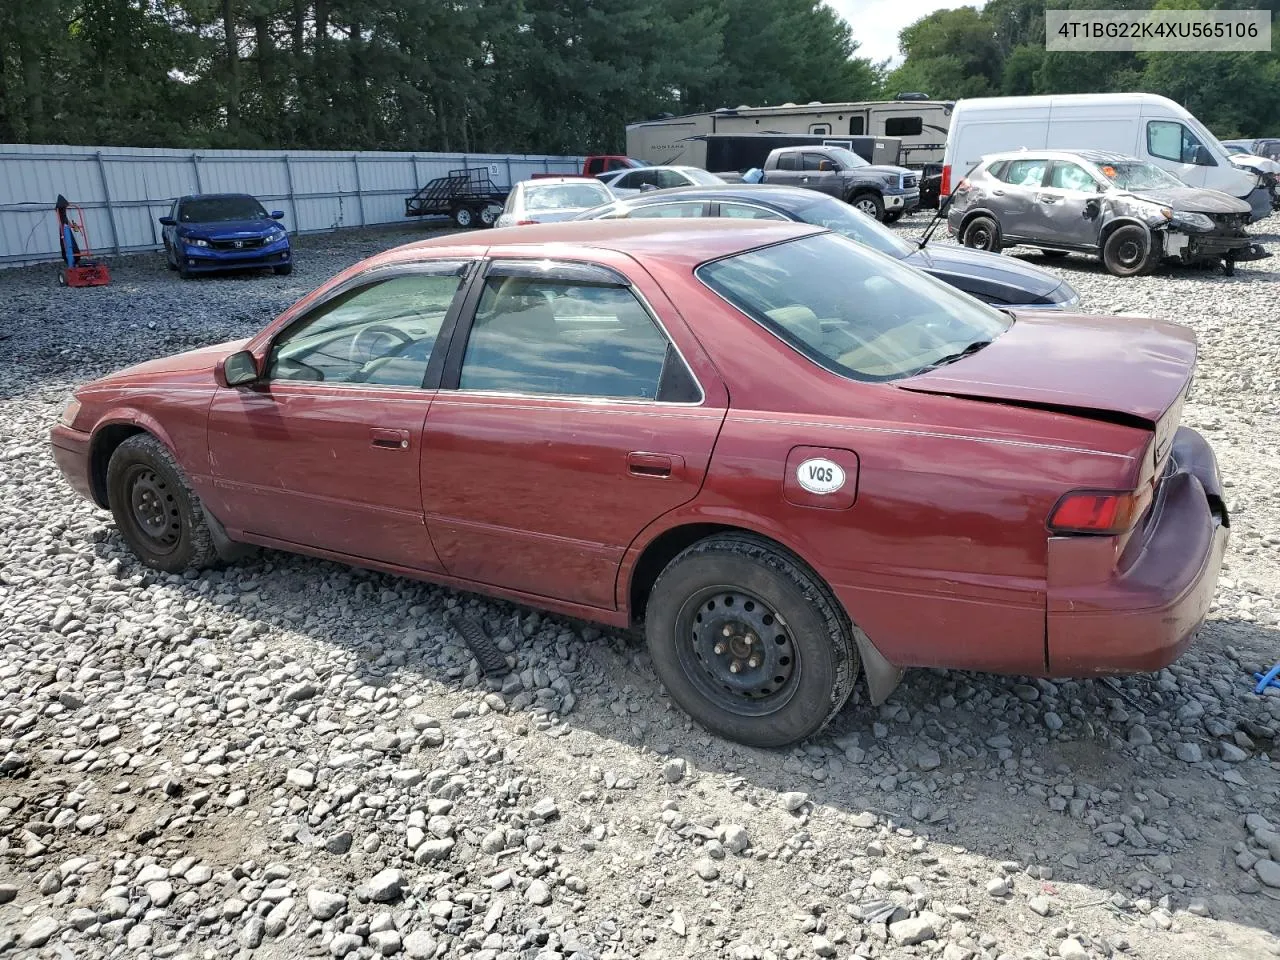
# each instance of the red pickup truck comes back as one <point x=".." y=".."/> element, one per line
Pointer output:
<point x="595" y="166"/>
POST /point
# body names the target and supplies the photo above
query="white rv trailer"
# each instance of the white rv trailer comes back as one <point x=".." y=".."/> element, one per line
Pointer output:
<point x="921" y="125"/>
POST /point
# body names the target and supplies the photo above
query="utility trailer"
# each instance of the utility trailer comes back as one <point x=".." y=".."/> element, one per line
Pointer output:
<point x="469" y="196"/>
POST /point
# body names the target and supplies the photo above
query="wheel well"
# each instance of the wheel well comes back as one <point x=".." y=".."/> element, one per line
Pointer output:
<point x="105" y="442"/>
<point x="862" y="190"/>
<point x="1115" y="225"/>
<point x="969" y="217"/>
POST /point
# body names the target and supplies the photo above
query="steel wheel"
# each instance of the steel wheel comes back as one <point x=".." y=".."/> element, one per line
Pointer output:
<point x="982" y="233"/>
<point x="463" y="217"/>
<point x="153" y="509"/>
<point x="740" y="654"/>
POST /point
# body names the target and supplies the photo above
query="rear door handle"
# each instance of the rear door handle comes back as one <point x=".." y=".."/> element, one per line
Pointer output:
<point x="389" y="439"/>
<point x="658" y="466"/>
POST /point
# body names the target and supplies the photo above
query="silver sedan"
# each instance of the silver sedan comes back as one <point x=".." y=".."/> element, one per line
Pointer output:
<point x="626" y="183"/>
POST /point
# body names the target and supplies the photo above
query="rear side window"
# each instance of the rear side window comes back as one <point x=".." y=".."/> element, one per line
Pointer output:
<point x="1024" y="173"/>
<point x="571" y="339"/>
<point x="686" y="209"/>
<point x="747" y="211"/>
<point x="903" y="127"/>
<point x="788" y="161"/>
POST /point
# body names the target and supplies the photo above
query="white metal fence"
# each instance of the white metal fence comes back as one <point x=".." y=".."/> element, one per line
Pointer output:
<point x="123" y="190"/>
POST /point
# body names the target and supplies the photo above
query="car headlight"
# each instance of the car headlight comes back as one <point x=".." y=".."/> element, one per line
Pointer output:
<point x="277" y="231"/>
<point x="70" y="412"/>
<point x="891" y="180"/>
<point x="195" y="242"/>
<point x="1192" y="221"/>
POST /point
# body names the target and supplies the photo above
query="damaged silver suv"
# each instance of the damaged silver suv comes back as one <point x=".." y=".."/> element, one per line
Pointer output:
<point x="1130" y="213"/>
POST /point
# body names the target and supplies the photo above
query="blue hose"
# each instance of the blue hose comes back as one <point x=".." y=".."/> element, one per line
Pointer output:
<point x="1269" y="679"/>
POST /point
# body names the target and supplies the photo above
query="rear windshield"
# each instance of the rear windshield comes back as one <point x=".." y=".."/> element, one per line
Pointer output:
<point x="221" y="208"/>
<point x="566" y="196"/>
<point x="848" y="221"/>
<point x="851" y="310"/>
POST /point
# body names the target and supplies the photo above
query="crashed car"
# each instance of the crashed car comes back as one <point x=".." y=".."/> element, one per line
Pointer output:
<point x="1268" y="170"/>
<point x="691" y="426"/>
<point x="1127" y="211"/>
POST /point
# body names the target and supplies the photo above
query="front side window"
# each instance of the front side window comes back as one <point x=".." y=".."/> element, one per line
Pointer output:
<point x="566" y="338"/>
<point x="1170" y="140"/>
<point x="221" y="210"/>
<point x="903" y="127"/>
<point x="851" y="310"/>
<point x="1071" y="176"/>
<point x="381" y="334"/>
<point x="816" y="161"/>
<point x="1024" y="173"/>
<point x="746" y="211"/>
<point x="847" y="159"/>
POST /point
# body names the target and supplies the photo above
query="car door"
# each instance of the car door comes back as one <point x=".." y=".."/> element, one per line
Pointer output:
<point x="1060" y="216"/>
<point x="821" y="173"/>
<point x="1013" y="195"/>
<point x="787" y="171"/>
<point x="323" y="451"/>
<point x="568" y="421"/>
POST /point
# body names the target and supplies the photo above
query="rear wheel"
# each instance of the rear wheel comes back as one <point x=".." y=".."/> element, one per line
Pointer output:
<point x="489" y="215"/>
<point x="982" y="233"/>
<point x="870" y="204"/>
<point x="463" y="217"/>
<point x="749" y="642"/>
<point x="1127" y="252"/>
<point x="158" y="514"/>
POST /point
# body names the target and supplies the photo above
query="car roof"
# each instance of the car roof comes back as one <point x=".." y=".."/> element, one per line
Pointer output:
<point x="217" y="196"/>
<point x="1090" y="156"/>
<point x="683" y="242"/>
<point x="785" y="198"/>
<point x="557" y="181"/>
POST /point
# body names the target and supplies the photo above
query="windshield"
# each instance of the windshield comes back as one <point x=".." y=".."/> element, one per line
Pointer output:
<point x="1233" y="149"/>
<point x="701" y="177"/>
<point x="846" y="158"/>
<point x="213" y="209"/>
<point x="566" y="196"/>
<point x="843" y="219"/>
<point x="852" y="310"/>
<point x="1137" y="175"/>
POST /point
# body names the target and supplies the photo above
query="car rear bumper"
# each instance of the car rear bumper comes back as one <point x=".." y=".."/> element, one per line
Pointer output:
<point x="71" y="454"/>
<point x="1145" y="616"/>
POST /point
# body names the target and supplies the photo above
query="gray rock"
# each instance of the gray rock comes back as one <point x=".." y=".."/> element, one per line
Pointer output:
<point x="1139" y="735"/>
<point x="793" y="800"/>
<point x="300" y="691"/>
<point x="673" y="770"/>
<point x="160" y="892"/>
<point x="735" y="839"/>
<point x="324" y="904"/>
<point x="385" y="942"/>
<point x="916" y="929"/>
<point x="431" y="851"/>
<point x="928" y="759"/>
<point x="253" y="932"/>
<point x="419" y="945"/>
<point x="1231" y="753"/>
<point x="823" y="947"/>
<point x="39" y="932"/>
<point x="1072" y="949"/>
<point x="1040" y="905"/>
<point x="999" y="887"/>
<point x="546" y="809"/>
<point x="1187" y="753"/>
<point x="300" y="779"/>
<point x="386" y="886"/>
<point x="538" y="893"/>
<point x="1268" y="872"/>
<point x="706" y="869"/>
<point x="345" y="943"/>
<point x="277" y="919"/>
<point x="8" y="892"/>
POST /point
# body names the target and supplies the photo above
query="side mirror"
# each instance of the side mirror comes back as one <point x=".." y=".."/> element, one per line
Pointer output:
<point x="1201" y="157"/>
<point x="277" y="214"/>
<point x="238" y="369"/>
<point x="1092" y="208"/>
<point x="825" y="166"/>
<point x="168" y="222"/>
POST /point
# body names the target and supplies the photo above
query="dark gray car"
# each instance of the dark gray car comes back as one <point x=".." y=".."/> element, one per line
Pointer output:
<point x="1130" y="213"/>
<point x="1000" y="281"/>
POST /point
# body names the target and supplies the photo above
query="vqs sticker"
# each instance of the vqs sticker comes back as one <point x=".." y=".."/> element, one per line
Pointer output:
<point x="820" y="475"/>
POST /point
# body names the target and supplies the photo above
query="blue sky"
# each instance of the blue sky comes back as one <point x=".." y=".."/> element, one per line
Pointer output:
<point x="876" y="23"/>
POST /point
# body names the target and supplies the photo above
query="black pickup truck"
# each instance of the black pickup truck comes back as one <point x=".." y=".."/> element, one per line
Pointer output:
<point x="885" y="192"/>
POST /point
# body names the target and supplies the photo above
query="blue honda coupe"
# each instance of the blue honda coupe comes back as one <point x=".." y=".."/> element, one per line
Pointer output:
<point x="226" y="231"/>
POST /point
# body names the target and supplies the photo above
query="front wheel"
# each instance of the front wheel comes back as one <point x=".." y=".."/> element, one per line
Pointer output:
<point x="749" y="642"/>
<point x="283" y="270"/>
<point x="982" y="233"/>
<point x="870" y="204"/>
<point x="1128" y="252"/>
<point x="892" y="216"/>
<point x="158" y="514"/>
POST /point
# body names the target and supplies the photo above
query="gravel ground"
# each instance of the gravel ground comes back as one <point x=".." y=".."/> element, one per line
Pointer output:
<point x="291" y="758"/>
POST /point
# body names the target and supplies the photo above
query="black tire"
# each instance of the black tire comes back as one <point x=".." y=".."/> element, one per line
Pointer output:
<point x="892" y="216"/>
<point x="464" y="217"/>
<point x="283" y="270"/>
<point x="1053" y="254"/>
<point x="158" y="514"/>
<point x="982" y="233"/>
<point x="1228" y="268"/>
<point x="168" y="257"/>
<point x="183" y="271"/>
<point x="1127" y="251"/>
<point x="728" y="583"/>
<point x="868" y="203"/>
<point x="489" y="215"/>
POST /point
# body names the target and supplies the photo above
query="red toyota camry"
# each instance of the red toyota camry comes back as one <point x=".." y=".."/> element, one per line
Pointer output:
<point x="792" y="459"/>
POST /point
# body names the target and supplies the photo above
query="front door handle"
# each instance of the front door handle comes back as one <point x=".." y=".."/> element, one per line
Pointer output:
<point x="997" y="193"/>
<point x="1047" y="198"/>
<point x="659" y="466"/>
<point x="389" y="439"/>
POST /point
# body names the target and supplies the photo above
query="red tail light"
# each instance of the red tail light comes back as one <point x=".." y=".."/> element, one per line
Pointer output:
<point x="1099" y="511"/>
<point x="946" y="180"/>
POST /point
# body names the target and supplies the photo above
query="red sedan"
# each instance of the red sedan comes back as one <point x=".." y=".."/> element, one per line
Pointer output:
<point x="791" y="458"/>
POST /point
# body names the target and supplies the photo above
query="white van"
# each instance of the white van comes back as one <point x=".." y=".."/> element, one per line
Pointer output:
<point x="1137" y="124"/>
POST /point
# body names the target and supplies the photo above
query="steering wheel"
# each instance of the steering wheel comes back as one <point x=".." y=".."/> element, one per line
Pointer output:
<point x="364" y="342"/>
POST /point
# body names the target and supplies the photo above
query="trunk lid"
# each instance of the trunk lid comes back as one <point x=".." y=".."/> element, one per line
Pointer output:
<point x="1116" y="368"/>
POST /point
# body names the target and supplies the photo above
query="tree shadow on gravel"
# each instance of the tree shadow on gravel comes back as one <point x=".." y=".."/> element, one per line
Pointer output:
<point x="1075" y="780"/>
